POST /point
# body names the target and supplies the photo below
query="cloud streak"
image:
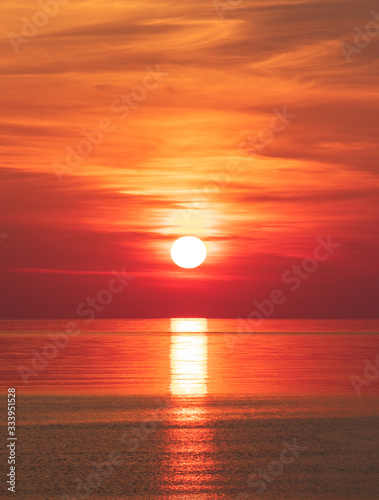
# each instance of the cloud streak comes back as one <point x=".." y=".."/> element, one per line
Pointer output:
<point x="123" y="205"/>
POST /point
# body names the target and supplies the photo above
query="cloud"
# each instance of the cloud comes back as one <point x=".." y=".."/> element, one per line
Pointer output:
<point x="124" y="204"/>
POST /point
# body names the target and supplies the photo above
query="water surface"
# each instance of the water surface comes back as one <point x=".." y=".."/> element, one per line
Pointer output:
<point x="192" y="413"/>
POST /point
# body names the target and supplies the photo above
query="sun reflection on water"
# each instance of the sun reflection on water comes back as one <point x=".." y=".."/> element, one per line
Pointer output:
<point x="189" y="325"/>
<point x="188" y="467"/>
<point x="189" y="357"/>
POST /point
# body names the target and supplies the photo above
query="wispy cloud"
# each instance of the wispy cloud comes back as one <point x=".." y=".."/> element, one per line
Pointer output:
<point x="123" y="203"/>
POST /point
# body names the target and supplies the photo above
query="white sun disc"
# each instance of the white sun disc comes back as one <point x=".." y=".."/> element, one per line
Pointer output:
<point x="188" y="252"/>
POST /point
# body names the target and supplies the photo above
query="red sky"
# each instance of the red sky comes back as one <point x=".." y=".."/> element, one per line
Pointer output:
<point x="147" y="181"/>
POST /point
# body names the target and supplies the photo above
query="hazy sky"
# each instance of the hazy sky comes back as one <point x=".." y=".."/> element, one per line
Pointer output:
<point x="185" y="99"/>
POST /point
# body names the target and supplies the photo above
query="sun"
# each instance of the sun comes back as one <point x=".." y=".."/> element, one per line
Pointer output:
<point x="188" y="252"/>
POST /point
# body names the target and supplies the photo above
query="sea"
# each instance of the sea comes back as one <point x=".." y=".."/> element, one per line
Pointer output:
<point x="191" y="409"/>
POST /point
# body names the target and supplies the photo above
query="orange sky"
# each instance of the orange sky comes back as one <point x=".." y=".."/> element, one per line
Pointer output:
<point x="167" y="138"/>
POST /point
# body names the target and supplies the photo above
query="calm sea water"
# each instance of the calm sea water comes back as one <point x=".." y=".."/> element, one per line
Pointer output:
<point x="167" y="325"/>
<point x="194" y="409"/>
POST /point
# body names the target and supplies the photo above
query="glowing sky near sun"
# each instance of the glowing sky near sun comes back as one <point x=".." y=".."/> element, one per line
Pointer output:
<point x="177" y="93"/>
